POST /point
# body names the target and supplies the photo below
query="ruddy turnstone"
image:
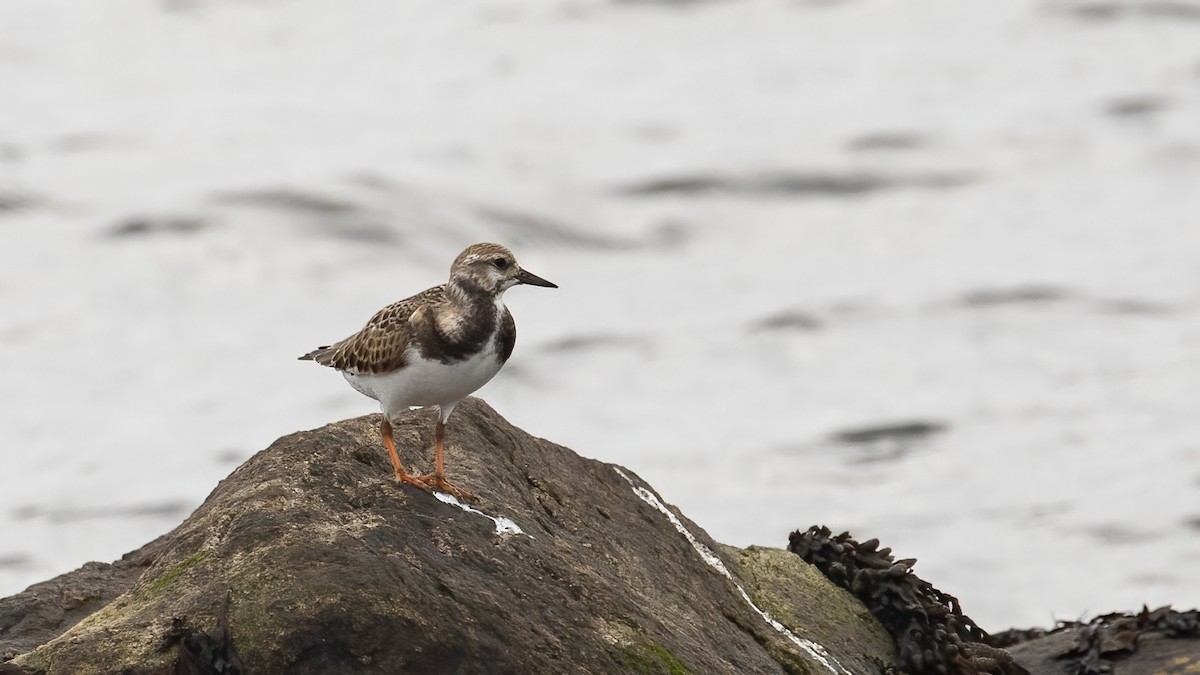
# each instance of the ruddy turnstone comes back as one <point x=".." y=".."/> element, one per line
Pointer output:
<point x="435" y="348"/>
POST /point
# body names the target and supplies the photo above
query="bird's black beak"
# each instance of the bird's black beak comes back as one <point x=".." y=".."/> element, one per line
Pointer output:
<point x="532" y="279"/>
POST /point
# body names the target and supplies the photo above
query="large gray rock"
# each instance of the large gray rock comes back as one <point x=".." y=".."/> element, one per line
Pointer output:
<point x="310" y="559"/>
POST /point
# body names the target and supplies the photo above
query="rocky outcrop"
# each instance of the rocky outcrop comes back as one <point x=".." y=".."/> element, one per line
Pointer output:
<point x="310" y="559"/>
<point x="1159" y="642"/>
<point x="45" y="610"/>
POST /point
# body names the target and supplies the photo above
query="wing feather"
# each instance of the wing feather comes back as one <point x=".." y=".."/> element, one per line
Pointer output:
<point x="379" y="347"/>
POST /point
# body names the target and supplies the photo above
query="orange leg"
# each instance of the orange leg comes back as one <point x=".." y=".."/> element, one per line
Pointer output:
<point x="437" y="479"/>
<point x="385" y="430"/>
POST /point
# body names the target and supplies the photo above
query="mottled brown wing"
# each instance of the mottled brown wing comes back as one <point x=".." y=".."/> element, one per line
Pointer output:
<point x="379" y="346"/>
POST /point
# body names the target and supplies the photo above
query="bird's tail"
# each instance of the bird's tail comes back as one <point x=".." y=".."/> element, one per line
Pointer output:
<point x="319" y="354"/>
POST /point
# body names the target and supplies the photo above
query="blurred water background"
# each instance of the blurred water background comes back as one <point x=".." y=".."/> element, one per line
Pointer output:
<point x="928" y="271"/>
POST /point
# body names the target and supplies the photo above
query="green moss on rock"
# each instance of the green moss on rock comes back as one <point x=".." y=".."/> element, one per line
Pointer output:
<point x="798" y="596"/>
<point x="179" y="568"/>
<point x="649" y="657"/>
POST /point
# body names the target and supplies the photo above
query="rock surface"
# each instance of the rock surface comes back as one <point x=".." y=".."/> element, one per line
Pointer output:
<point x="310" y="559"/>
<point x="1158" y="642"/>
<point x="45" y="610"/>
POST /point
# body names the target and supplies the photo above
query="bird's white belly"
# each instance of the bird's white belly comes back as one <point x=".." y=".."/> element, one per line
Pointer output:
<point x="422" y="382"/>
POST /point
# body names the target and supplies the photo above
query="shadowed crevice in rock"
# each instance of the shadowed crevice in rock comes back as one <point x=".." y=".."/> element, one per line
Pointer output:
<point x="329" y="566"/>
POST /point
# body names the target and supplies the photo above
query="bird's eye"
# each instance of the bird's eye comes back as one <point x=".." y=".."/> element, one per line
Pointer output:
<point x="500" y="263"/>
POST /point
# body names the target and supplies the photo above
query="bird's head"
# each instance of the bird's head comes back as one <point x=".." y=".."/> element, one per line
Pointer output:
<point x="493" y="268"/>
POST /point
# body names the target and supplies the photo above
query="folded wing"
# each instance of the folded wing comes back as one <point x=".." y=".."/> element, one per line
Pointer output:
<point x="379" y="347"/>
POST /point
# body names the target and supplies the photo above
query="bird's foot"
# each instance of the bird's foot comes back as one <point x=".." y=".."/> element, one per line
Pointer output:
<point x="402" y="478"/>
<point x="435" y="482"/>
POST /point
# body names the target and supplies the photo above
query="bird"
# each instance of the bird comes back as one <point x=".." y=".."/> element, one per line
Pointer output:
<point x="434" y="349"/>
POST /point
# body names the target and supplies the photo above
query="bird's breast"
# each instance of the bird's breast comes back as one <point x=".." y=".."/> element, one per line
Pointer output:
<point x="457" y="333"/>
<point x="423" y="381"/>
